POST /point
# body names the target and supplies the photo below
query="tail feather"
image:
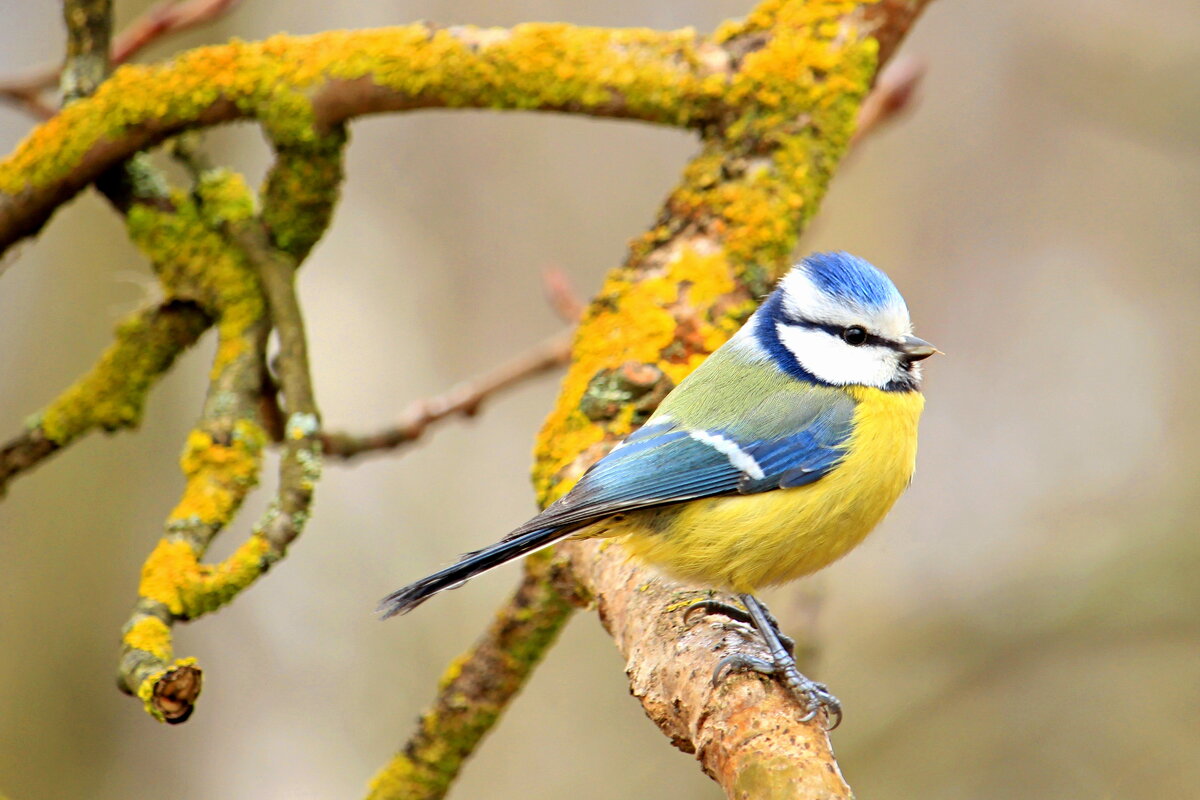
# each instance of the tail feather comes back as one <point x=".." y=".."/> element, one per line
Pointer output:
<point x="404" y="600"/>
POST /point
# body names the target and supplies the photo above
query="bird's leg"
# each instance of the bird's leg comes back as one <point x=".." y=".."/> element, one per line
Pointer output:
<point x="710" y="606"/>
<point x="814" y="695"/>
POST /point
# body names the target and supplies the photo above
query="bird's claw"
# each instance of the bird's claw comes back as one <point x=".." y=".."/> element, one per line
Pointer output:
<point x="716" y="607"/>
<point x="816" y="697"/>
<point x="737" y="615"/>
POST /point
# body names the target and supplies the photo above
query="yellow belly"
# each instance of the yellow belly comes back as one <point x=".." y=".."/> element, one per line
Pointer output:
<point x="745" y="542"/>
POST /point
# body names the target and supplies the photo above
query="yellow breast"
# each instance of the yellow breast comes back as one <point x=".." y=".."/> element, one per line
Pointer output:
<point x="745" y="542"/>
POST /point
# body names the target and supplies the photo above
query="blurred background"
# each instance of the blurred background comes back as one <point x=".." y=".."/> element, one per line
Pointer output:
<point x="1027" y="621"/>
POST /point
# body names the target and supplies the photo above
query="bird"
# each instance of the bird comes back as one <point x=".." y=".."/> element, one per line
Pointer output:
<point x="776" y="456"/>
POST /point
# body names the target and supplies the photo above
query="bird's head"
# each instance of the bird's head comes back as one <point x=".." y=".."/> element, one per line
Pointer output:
<point x="837" y="320"/>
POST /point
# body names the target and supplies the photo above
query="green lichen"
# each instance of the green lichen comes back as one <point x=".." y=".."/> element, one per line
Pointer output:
<point x="301" y="191"/>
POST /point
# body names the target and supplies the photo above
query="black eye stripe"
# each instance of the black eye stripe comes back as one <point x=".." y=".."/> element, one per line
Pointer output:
<point x="837" y="330"/>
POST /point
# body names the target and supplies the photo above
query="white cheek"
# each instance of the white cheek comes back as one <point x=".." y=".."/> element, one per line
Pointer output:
<point x="836" y="362"/>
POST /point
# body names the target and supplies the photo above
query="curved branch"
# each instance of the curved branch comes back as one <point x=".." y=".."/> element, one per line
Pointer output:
<point x="248" y="281"/>
<point x="302" y="87"/>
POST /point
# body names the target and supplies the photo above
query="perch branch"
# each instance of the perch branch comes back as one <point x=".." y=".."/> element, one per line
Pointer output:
<point x="464" y="399"/>
<point x="720" y="241"/>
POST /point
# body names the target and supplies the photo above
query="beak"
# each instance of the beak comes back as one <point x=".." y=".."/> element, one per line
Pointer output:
<point x="914" y="349"/>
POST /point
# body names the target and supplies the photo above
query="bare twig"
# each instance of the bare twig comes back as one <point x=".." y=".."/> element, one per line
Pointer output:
<point x="561" y="295"/>
<point x="165" y="19"/>
<point x="464" y="399"/>
<point x="26" y="91"/>
<point x="895" y="93"/>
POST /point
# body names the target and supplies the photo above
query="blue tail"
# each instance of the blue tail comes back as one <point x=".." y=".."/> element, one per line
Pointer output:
<point x="404" y="600"/>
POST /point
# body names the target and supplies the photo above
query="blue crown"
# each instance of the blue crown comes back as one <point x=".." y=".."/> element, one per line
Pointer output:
<point x="852" y="279"/>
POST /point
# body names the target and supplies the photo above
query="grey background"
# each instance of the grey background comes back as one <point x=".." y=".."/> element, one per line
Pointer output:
<point x="1024" y="624"/>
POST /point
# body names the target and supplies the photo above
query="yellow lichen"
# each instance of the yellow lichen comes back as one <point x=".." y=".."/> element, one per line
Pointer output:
<point x="173" y="576"/>
<point x="792" y="103"/>
<point x="218" y="475"/>
<point x="530" y="66"/>
<point x="151" y="635"/>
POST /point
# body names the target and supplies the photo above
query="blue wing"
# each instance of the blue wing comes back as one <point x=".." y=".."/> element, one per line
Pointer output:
<point x="666" y="463"/>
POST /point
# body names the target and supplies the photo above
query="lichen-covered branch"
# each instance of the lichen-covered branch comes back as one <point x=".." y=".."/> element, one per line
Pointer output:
<point x="478" y="685"/>
<point x="112" y="395"/>
<point x="89" y="28"/>
<point x="222" y="456"/>
<point x="799" y="71"/>
<point x="214" y="248"/>
<point x="300" y="88"/>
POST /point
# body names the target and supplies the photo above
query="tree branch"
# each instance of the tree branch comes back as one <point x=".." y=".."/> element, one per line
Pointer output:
<point x="721" y="240"/>
<point x="464" y="399"/>
<point x="113" y="394"/>
<point x="161" y="20"/>
<point x="893" y="96"/>
<point x="246" y="278"/>
<point x="222" y="457"/>
<point x="301" y="87"/>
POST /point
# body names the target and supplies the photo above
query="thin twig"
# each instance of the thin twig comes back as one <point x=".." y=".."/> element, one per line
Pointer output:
<point x="464" y="399"/>
<point x="26" y="91"/>
<point x="562" y="295"/>
<point x="895" y="94"/>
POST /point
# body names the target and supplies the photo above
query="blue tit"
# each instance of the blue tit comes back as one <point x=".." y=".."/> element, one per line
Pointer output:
<point x="772" y="459"/>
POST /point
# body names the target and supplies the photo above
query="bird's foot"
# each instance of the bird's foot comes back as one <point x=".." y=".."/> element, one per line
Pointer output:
<point x="737" y="615"/>
<point x="816" y="697"/>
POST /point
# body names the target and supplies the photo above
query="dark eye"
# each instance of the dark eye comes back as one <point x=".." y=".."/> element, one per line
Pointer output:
<point x="854" y="335"/>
